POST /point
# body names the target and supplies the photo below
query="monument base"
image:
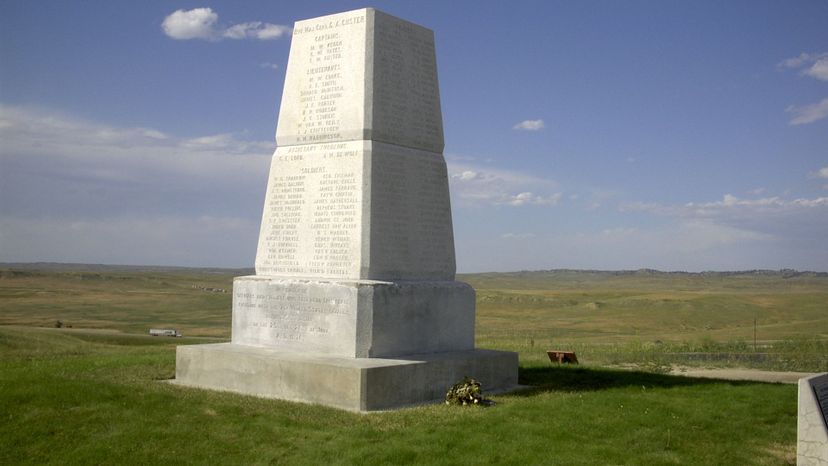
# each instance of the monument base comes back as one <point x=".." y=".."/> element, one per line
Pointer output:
<point x="812" y="421"/>
<point x="353" y="384"/>
<point x="353" y="318"/>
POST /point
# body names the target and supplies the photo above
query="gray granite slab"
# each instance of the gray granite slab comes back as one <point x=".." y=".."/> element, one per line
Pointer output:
<point x="812" y="421"/>
<point x="361" y="75"/>
<point x="357" y="210"/>
<point x="354" y="303"/>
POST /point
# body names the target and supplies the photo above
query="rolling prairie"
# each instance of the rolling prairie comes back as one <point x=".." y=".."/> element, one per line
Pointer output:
<point x="610" y="317"/>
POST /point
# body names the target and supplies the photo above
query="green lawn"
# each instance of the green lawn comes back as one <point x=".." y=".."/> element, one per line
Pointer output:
<point x="69" y="398"/>
<point x="95" y="393"/>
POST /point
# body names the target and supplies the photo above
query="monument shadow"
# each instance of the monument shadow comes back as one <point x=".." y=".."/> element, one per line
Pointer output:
<point x="558" y="378"/>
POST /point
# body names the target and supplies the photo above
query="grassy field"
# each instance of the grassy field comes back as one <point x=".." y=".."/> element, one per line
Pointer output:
<point x="95" y="392"/>
<point x="658" y="319"/>
<point x="74" y="397"/>
<point x="127" y="300"/>
<point x="647" y="318"/>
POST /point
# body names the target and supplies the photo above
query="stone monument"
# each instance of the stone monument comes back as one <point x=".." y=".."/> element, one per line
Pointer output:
<point x="354" y="302"/>
<point x="812" y="421"/>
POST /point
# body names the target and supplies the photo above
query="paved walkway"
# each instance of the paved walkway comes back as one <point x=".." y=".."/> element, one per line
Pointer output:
<point x="742" y="374"/>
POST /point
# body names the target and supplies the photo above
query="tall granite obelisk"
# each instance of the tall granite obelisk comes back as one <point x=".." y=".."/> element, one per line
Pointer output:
<point x="354" y="302"/>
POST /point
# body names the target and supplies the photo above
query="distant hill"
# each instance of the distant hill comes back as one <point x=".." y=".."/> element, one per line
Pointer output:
<point x="545" y="274"/>
<point x="75" y="267"/>
<point x="563" y="279"/>
<point x="783" y="273"/>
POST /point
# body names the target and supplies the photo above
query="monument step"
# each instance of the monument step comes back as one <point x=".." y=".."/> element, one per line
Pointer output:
<point x="353" y="384"/>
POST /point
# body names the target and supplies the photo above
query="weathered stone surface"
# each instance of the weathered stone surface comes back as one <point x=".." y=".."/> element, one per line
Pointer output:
<point x="354" y="302"/>
<point x="355" y="384"/>
<point x="358" y="210"/>
<point x="361" y="75"/>
<point x="362" y="319"/>
<point x="812" y="429"/>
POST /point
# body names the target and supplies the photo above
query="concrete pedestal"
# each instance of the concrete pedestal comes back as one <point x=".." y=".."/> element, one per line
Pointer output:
<point x="354" y="303"/>
<point x="353" y="318"/>
<point x="354" y="384"/>
<point x="812" y="421"/>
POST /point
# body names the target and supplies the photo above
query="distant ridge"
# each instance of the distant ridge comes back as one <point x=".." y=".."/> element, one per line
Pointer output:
<point x="80" y="267"/>
<point x="784" y="273"/>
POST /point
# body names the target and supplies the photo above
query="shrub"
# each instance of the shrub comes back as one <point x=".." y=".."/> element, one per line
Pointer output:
<point x="467" y="392"/>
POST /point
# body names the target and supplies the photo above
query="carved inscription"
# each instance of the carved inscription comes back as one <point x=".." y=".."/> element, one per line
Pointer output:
<point x="411" y="226"/>
<point x="311" y="222"/>
<point x="406" y="96"/>
<point x="329" y="22"/>
<point x="324" y="85"/>
<point x="323" y="90"/>
<point x="291" y="315"/>
<point x="328" y="96"/>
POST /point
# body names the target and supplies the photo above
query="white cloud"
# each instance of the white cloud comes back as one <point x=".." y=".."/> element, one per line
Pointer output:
<point x="794" y="219"/>
<point x="201" y="23"/>
<point x="517" y="235"/>
<point x="70" y="187"/>
<point x="795" y="62"/>
<point x="529" y="125"/>
<point x="527" y="198"/>
<point x="270" y="31"/>
<point x="619" y="232"/>
<point x="268" y="65"/>
<point x="728" y="234"/>
<point x="131" y="239"/>
<point x="814" y="65"/>
<point x="255" y="30"/>
<point x="728" y="202"/>
<point x="806" y="62"/>
<point x="40" y="131"/>
<point x="808" y="113"/>
<point x="197" y="23"/>
<point x="687" y="244"/>
<point x="477" y="185"/>
<point x="467" y="175"/>
<point x="819" y="69"/>
<point x="821" y="173"/>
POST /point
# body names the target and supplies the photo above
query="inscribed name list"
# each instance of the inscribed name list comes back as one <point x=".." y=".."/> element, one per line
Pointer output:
<point x="357" y="210"/>
<point x="324" y="94"/>
<point x="361" y="75"/>
<point x="311" y="224"/>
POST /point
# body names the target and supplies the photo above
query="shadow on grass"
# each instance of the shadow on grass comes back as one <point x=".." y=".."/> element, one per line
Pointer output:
<point x="576" y="378"/>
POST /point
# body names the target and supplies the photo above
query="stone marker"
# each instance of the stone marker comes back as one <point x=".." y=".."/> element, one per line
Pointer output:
<point x="354" y="302"/>
<point x="812" y="421"/>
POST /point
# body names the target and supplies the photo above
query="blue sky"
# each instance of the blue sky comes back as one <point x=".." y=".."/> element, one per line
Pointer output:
<point x="603" y="135"/>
